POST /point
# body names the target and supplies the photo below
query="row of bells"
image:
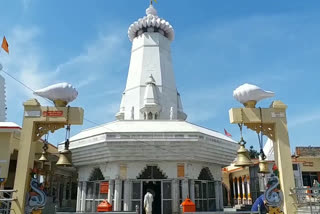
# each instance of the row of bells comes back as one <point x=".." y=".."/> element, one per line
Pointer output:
<point x="64" y="158"/>
<point x="243" y="160"/>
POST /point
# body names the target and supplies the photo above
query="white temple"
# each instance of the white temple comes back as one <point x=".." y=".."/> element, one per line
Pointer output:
<point x="2" y="99"/>
<point x="150" y="146"/>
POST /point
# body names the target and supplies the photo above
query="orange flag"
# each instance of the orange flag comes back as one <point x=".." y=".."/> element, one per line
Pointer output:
<point x="5" y="45"/>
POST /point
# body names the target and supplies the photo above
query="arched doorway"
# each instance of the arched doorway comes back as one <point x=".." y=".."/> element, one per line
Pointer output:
<point x="204" y="191"/>
<point x="152" y="176"/>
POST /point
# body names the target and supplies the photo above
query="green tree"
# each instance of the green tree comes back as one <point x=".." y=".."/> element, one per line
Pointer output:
<point x="253" y="153"/>
<point x="96" y="175"/>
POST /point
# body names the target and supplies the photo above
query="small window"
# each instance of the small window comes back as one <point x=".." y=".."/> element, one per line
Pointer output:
<point x="150" y="116"/>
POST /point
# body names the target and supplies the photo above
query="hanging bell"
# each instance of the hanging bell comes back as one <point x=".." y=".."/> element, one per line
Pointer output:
<point x="243" y="158"/>
<point x="263" y="167"/>
<point x="44" y="157"/>
<point x="64" y="158"/>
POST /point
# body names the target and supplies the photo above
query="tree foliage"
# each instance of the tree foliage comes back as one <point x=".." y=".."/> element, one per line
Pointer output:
<point x="253" y="153"/>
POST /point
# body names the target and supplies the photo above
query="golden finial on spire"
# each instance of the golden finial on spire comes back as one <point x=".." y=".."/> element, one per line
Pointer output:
<point x="151" y="1"/>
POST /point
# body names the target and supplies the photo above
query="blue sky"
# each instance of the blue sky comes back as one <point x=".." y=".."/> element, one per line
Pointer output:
<point x="219" y="45"/>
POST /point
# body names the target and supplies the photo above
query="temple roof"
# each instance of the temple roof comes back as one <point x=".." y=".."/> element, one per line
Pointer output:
<point x="145" y="126"/>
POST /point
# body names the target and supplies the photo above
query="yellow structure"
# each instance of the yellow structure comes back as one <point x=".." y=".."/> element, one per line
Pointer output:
<point x="10" y="134"/>
<point x="274" y="125"/>
<point x="38" y="121"/>
<point x="9" y="141"/>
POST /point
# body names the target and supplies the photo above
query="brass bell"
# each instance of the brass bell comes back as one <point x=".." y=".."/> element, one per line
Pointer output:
<point x="44" y="157"/>
<point x="243" y="158"/>
<point x="64" y="158"/>
<point x="263" y="167"/>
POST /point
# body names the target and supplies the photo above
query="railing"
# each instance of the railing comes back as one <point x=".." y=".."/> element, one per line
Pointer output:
<point x="307" y="199"/>
<point x="113" y="212"/>
<point x="5" y="201"/>
<point x="223" y="212"/>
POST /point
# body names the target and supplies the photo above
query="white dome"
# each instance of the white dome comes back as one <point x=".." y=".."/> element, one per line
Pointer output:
<point x="151" y="21"/>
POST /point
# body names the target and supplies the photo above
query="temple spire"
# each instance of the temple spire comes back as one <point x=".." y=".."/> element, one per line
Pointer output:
<point x="151" y="87"/>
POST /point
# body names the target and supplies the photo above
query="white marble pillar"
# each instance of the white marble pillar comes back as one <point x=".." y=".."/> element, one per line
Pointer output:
<point x="78" y="206"/>
<point x="117" y="195"/>
<point x="70" y="192"/>
<point x="185" y="189"/>
<point x="218" y="194"/>
<point x="234" y="190"/>
<point x="192" y="196"/>
<point x="221" y="195"/>
<point x="175" y="196"/>
<point x="83" y="197"/>
<point x="110" y="192"/>
<point x="93" y="204"/>
<point x="244" y="198"/>
<point x="238" y="184"/>
<point x="127" y="195"/>
<point x="58" y="193"/>
<point x="248" y="190"/>
<point x="65" y="183"/>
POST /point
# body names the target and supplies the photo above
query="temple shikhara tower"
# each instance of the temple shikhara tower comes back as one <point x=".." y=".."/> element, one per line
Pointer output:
<point x="150" y="146"/>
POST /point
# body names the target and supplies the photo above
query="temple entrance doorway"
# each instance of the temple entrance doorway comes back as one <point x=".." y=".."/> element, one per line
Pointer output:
<point x="155" y="189"/>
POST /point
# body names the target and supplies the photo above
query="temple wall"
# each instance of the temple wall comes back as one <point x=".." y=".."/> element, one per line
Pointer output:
<point x="133" y="169"/>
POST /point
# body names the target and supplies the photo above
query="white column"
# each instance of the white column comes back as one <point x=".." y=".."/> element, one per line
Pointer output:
<point x="175" y="196"/>
<point x="239" y="196"/>
<point x="110" y="192"/>
<point x="234" y="191"/>
<point x="65" y="183"/>
<point x="218" y="194"/>
<point x="58" y="193"/>
<point x="244" y="198"/>
<point x="127" y="195"/>
<point x="70" y="191"/>
<point x="185" y="189"/>
<point x="248" y="189"/>
<point x="221" y="195"/>
<point x="192" y="197"/>
<point x="78" y="207"/>
<point x="117" y="195"/>
<point x="83" y="197"/>
<point x="93" y="204"/>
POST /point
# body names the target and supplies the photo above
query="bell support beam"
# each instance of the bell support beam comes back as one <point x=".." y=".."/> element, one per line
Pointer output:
<point x="274" y="125"/>
<point x="38" y="120"/>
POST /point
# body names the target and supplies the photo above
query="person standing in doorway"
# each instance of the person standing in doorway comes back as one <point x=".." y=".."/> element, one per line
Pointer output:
<point x="148" y="199"/>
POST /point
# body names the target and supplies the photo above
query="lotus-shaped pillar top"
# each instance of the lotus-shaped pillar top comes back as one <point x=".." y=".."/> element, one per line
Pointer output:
<point x="61" y="94"/>
<point x="249" y="95"/>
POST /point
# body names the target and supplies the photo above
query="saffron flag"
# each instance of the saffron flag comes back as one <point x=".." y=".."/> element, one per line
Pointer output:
<point x="155" y="1"/>
<point x="5" y="45"/>
<point x="227" y="133"/>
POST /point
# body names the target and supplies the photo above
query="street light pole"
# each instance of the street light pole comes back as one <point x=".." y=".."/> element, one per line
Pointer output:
<point x="274" y="125"/>
<point x="38" y="120"/>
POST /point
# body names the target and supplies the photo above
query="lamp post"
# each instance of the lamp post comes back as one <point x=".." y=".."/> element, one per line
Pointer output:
<point x="38" y="120"/>
<point x="273" y="125"/>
